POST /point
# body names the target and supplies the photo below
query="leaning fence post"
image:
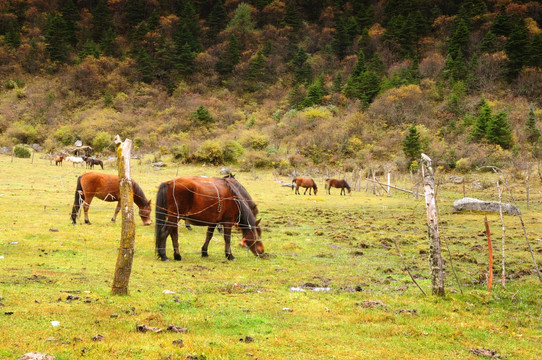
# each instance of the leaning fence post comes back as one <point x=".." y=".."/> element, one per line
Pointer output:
<point x="437" y="273"/>
<point x="125" y="257"/>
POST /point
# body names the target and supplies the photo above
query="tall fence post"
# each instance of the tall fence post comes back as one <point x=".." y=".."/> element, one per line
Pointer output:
<point x="437" y="273"/>
<point x="125" y="257"/>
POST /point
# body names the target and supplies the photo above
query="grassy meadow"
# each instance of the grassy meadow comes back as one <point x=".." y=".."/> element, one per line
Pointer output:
<point x="51" y="270"/>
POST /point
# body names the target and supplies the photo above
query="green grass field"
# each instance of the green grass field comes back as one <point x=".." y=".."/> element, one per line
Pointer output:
<point x="51" y="270"/>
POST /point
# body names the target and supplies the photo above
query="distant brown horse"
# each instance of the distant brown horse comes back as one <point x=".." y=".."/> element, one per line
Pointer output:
<point x="340" y="184"/>
<point x="106" y="188"/>
<point x="92" y="161"/>
<point x="308" y="184"/>
<point x="205" y="202"/>
<point x="58" y="160"/>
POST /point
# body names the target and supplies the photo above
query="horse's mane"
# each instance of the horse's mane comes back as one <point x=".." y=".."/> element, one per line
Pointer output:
<point x="138" y="194"/>
<point x="244" y="194"/>
<point x="246" y="218"/>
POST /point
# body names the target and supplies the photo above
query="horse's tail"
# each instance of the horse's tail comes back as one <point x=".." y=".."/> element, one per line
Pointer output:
<point x="293" y="182"/>
<point x="79" y="198"/>
<point x="347" y="186"/>
<point x="160" y="214"/>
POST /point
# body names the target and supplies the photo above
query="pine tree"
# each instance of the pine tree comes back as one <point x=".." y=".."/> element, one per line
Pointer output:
<point x="412" y="146"/>
<point x="135" y="12"/>
<point x="503" y="24"/>
<point x="217" y="21"/>
<point x="184" y="61"/>
<point x="256" y="69"/>
<point x="154" y="20"/>
<point x="315" y="93"/>
<point x="108" y="44"/>
<point x="302" y="70"/>
<point x="55" y="38"/>
<point x="459" y="41"/>
<point x="365" y="17"/>
<point x="535" y="51"/>
<point x="89" y="48"/>
<point x="101" y="20"/>
<point x="145" y="65"/>
<point x="70" y="14"/>
<point x="482" y="121"/>
<point x="202" y="116"/>
<point x="228" y="60"/>
<point x="341" y="39"/>
<point x="532" y="132"/>
<point x="338" y="83"/>
<point x="489" y="44"/>
<point x="291" y="16"/>
<point x="499" y="131"/>
<point x="516" y="49"/>
<point x="13" y="35"/>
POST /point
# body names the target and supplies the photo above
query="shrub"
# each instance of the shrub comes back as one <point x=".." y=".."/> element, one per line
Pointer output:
<point x="232" y="151"/>
<point x="255" y="159"/>
<point x="209" y="151"/>
<point x="179" y="152"/>
<point x="101" y="141"/>
<point x="22" y="132"/>
<point x="21" y="151"/>
<point x="256" y="141"/>
<point x="65" y="135"/>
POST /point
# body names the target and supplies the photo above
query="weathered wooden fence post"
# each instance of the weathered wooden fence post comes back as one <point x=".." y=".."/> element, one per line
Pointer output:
<point x="435" y="258"/>
<point x="123" y="268"/>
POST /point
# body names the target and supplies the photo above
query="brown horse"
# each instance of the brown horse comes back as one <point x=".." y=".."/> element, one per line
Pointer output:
<point x="58" y="160"/>
<point x="106" y="188"/>
<point x="308" y="184"/>
<point x="205" y="202"/>
<point x="340" y="184"/>
<point x="92" y="161"/>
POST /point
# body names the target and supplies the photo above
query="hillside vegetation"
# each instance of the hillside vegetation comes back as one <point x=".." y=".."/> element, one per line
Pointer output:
<point x="278" y="83"/>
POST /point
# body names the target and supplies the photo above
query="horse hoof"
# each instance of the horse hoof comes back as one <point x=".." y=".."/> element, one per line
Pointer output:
<point x="204" y="254"/>
<point x="230" y="257"/>
<point x="189" y="227"/>
<point x="164" y="258"/>
<point x="177" y="257"/>
<point x="88" y="222"/>
<point x="112" y="220"/>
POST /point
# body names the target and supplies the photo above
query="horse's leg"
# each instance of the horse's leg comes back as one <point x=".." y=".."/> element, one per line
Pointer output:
<point x="86" y="205"/>
<point x="227" y="241"/>
<point x="208" y="237"/>
<point x="174" y="232"/>
<point x="305" y="193"/>
<point x="117" y="209"/>
<point x="296" y="190"/>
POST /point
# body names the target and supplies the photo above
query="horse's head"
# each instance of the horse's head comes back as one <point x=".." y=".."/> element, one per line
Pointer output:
<point x="315" y="188"/>
<point x="252" y="238"/>
<point x="145" y="213"/>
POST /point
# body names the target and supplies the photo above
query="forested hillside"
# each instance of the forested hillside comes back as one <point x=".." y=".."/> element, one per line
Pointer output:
<point x="282" y="83"/>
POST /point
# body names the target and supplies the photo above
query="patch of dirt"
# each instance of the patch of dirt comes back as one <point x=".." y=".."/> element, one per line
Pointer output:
<point x="485" y="352"/>
<point x="372" y="304"/>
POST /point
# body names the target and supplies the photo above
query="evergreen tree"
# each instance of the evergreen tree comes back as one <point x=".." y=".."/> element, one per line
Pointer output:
<point x="360" y="67"/>
<point x="108" y="44"/>
<point x="256" y="69"/>
<point x="135" y="12"/>
<point x="341" y="39"/>
<point x="455" y="67"/>
<point x="217" y="21"/>
<point x="70" y="14"/>
<point x="291" y="16"/>
<point x="459" y="41"/>
<point x="184" y="61"/>
<point x="489" y="44"/>
<point x="482" y="121"/>
<point x="365" y="17"/>
<point x="532" y="132"/>
<point x="377" y="65"/>
<point x="302" y="70"/>
<point x="228" y="60"/>
<point x="516" y="49"/>
<point x="535" y="51"/>
<point x="338" y="83"/>
<point x="499" y="131"/>
<point x="503" y="24"/>
<point x="89" y="48"/>
<point x="30" y="61"/>
<point x="315" y="93"/>
<point x="183" y="36"/>
<point x="202" y="116"/>
<point x="412" y="146"/>
<point x="145" y="65"/>
<point x="13" y="35"/>
<point x="101" y="20"/>
<point x="56" y="39"/>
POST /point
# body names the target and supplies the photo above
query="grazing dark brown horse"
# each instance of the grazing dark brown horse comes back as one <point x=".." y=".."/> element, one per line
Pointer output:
<point x="205" y="202"/>
<point x="58" y="160"/>
<point x="92" y="161"/>
<point x="340" y="184"/>
<point x="106" y="188"/>
<point x="308" y="184"/>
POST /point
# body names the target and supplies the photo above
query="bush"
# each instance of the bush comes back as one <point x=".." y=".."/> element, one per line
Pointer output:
<point x="179" y="152"/>
<point x="65" y="135"/>
<point x="232" y="151"/>
<point x="22" y="132"/>
<point x="21" y="152"/>
<point x="255" y="159"/>
<point x="210" y="152"/>
<point x="101" y="141"/>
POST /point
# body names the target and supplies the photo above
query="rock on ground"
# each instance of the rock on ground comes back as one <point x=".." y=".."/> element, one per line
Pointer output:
<point x="470" y="204"/>
<point x="37" y="356"/>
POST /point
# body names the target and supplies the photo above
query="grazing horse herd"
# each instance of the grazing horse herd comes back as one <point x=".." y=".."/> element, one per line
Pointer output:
<point x="79" y="160"/>
<point x="310" y="185"/>
<point x="212" y="202"/>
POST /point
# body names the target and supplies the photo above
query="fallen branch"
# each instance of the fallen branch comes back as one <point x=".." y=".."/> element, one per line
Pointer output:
<point x="406" y="267"/>
<point x="490" y="250"/>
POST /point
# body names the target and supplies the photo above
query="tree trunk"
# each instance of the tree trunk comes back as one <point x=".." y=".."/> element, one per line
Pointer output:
<point x="125" y="258"/>
<point x="435" y="258"/>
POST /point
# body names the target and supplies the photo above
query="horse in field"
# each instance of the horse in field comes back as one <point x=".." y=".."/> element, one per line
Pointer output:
<point x="106" y="188"/>
<point x="205" y="202"/>
<point x="59" y="159"/>
<point x="75" y="160"/>
<point x="92" y="161"/>
<point x="308" y="184"/>
<point x="340" y="184"/>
